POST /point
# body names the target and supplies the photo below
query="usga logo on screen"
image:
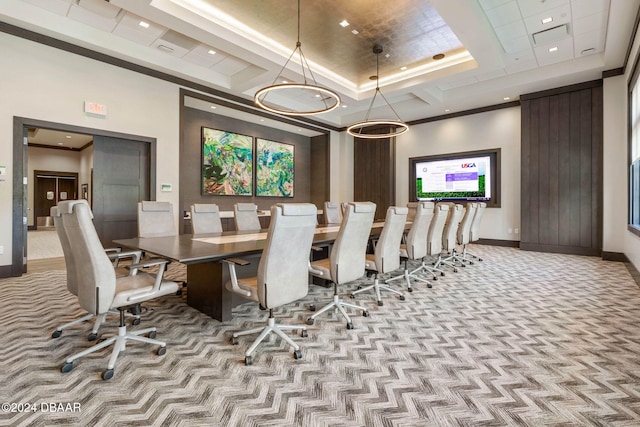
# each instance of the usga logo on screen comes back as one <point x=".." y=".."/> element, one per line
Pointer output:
<point x="468" y="165"/>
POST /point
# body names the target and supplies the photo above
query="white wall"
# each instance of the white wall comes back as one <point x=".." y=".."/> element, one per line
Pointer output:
<point x="494" y="129"/>
<point x="44" y="83"/>
<point x="49" y="160"/>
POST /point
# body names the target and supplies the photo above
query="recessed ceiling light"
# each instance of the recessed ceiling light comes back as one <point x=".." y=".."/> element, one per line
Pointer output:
<point x="387" y="55"/>
<point x="553" y="49"/>
<point x="547" y="20"/>
<point x="211" y="52"/>
<point x="60" y="143"/>
<point x="447" y="110"/>
<point x="213" y="107"/>
<point x="403" y="68"/>
<point x="68" y="136"/>
<point x="262" y="120"/>
<point x="438" y="56"/>
<point x="299" y="130"/>
<point x="344" y="23"/>
<point x="285" y="81"/>
<point x="344" y="105"/>
<point x="355" y="32"/>
<point x="506" y="98"/>
<point x="144" y="24"/>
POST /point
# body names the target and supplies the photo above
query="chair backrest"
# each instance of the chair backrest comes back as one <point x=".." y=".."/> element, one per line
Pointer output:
<point x="413" y="209"/>
<point x="155" y="219"/>
<point x="205" y="218"/>
<point x="283" y="272"/>
<point x="97" y="277"/>
<point x="475" y="225"/>
<point x="464" y="229"/>
<point x="245" y="216"/>
<point x="416" y="242"/>
<point x="450" y="232"/>
<point x="69" y="259"/>
<point x="436" y="228"/>
<point x="332" y="213"/>
<point x="349" y="250"/>
<point x="387" y="252"/>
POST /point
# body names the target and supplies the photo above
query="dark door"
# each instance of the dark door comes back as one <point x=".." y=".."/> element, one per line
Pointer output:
<point x="44" y="197"/>
<point x="67" y="188"/>
<point x="121" y="169"/>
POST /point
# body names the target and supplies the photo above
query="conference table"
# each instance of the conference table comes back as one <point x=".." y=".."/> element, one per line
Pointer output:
<point x="206" y="272"/>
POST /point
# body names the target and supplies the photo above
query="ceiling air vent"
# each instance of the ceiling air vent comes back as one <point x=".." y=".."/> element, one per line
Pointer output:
<point x="551" y="35"/>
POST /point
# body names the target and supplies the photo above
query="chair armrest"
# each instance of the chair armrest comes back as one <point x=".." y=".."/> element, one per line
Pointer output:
<point x="162" y="266"/>
<point x="316" y="248"/>
<point x="232" y="262"/>
<point x="315" y="272"/>
<point x="115" y="257"/>
<point x="110" y="250"/>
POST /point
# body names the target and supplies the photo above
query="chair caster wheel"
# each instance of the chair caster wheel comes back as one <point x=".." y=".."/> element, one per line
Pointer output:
<point x="410" y="289"/>
<point x="309" y="321"/>
<point x="442" y="274"/>
<point x="92" y="337"/>
<point x="402" y="298"/>
<point x="56" y="334"/>
<point x="135" y="321"/>
<point x="162" y="351"/>
<point x="365" y="313"/>
<point x="429" y="285"/>
<point x="248" y="360"/>
<point x="455" y="270"/>
<point x="349" y="325"/>
<point x="463" y="265"/>
<point x="435" y="277"/>
<point x="380" y="303"/>
<point x="304" y="333"/>
<point x="359" y="287"/>
<point x="152" y="334"/>
<point x="479" y="259"/>
<point x="312" y="307"/>
<point x="352" y="296"/>
<point x="67" y="367"/>
<point x="107" y="375"/>
<point x="297" y="354"/>
<point x="470" y="262"/>
<point x="234" y="340"/>
<point x="179" y="292"/>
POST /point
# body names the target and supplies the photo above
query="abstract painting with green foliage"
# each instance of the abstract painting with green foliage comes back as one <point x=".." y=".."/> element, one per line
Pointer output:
<point x="274" y="169"/>
<point x="227" y="163"/>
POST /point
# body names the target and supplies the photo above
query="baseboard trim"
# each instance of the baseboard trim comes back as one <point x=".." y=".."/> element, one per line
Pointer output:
<point x="498" y="242"/>
<point x="559" y="249"/>
<point x="614" y="256"/>
<point x="633" y="271"/>
<point x="31" y="227"/>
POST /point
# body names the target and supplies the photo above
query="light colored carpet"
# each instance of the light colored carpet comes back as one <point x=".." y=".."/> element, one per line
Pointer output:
<point x="43" y="243"/>
<point x="520" y="339"/>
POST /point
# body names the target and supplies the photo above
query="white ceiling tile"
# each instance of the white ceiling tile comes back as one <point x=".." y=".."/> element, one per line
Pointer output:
<point x="516" y="44"/>
<point x="589" y="23"/>
<point x="514" y="29"/>
<point x="522" y="64"/>
<point x="561" y="15"/>
<point x="229" y="66"/>
<point x="536" y="7"/>
<point x="503" y="15"/>
<point x="582" y="8"/>
<point x="565" y="52"/>
<point x="491" y="4"/>
<point x="91" y="19"/>
<point x="129" y="27"/>
<point x="61" y="7"/>
<point x="201" y="56"/>
<point x="100" y="8"/>
<point x="592" y="42"/>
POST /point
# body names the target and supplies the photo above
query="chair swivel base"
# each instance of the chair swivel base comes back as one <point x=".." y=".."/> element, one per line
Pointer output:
<point x="339" y="305"/>
<point x="96" y="326"/>
<point x="119" y="341"/>
<point x="407" y="276"/>
<point x="377" y="287"/>
<point x="265" y="331"/>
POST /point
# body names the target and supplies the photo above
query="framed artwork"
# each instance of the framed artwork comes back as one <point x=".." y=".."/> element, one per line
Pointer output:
<point x="274" y="168"/>
<point x="85" y="191"/>
<point x="227" y="163"/>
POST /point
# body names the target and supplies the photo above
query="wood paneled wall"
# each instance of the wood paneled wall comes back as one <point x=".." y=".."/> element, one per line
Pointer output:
<point x="561" y="190"/>
<point x="374" y="173"/>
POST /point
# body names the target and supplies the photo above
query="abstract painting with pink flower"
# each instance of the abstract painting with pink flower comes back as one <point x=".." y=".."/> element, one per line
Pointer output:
<point x="227" y="163"/>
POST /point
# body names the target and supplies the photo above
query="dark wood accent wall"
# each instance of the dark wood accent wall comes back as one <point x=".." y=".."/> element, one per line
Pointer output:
<point x="320" y="182"/>
<point x="561" y="191"/>
<point x="191" y="152"/>
<point x="374" y="173"/>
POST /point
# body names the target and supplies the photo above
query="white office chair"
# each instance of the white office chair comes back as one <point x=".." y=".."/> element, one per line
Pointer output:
<point x="115" y="254"/>
<point x="434" y="241"/>
<point x="449" y="236"/>
<point x="474" y="234"/>
<point x="99" y="290"/>
<point x="464" y="234"/>
<point x="415" y="246"/>
<point x="283" y="275"/>
<point x="346" y="261"/>
<point x="155" y="219"/>
<point x="387" y="252"/>
<point x="246" y="217"/>
<point x="205" y="218"/>
<point x="332" y="213"/>
<point x="412" y="210"/>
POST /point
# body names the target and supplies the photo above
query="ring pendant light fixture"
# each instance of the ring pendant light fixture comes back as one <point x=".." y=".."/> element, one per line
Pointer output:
<point x="327" y="100"/>
<point x="370" y="128"/>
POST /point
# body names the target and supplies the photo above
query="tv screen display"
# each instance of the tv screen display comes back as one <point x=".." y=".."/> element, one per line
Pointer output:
<point x="467" y="178"/>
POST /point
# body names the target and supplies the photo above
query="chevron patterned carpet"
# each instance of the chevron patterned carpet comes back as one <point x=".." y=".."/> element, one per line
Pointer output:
<point x="522" y="338"/>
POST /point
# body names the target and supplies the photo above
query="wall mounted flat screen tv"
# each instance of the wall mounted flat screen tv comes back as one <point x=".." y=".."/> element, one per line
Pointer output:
<point x="459" y="177"/>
